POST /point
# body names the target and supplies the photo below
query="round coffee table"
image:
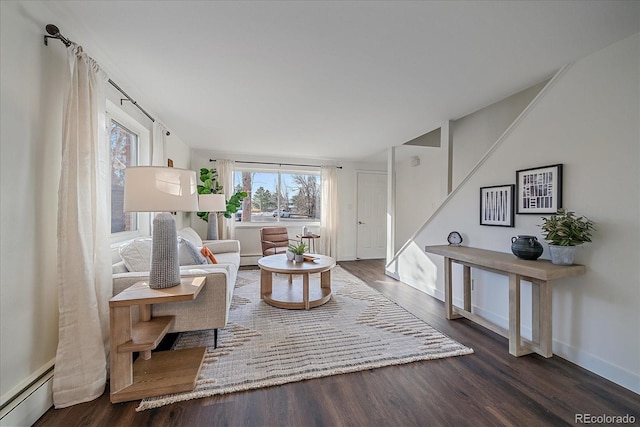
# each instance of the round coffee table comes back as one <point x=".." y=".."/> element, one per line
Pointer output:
<point x="291" y="296"/>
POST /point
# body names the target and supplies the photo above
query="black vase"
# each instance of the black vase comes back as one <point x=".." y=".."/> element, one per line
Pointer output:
<point x="526" y="247"/>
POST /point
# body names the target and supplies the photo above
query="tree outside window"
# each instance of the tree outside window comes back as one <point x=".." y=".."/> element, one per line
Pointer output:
<point x="278" y="196"/>
<point x="124" y="153"/>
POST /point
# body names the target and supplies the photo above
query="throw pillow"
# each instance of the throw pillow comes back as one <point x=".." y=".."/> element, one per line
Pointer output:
<point x="189" y="254"/>
<point x="190" y="234"/>
<point x="206" y="252"/>
<point x="136" y="255"/>
<point x="118" y="268"/>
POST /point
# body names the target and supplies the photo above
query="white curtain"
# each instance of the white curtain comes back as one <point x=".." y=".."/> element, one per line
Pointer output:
<point x="329" y="211"/>
<point x="225" y="175"/>
<point x="158" y="145"/>
<point x="84" y="259"/>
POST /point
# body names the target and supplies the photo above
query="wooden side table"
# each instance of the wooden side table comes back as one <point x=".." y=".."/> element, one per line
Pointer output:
<point x="311" y="240"/>
<point x="167" y="371"/>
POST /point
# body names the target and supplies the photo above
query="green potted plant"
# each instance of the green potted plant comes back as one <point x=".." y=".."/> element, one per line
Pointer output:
<point x="210" y="185"/>
<point x="298" y="249"/>
<point x="564" y="231"/>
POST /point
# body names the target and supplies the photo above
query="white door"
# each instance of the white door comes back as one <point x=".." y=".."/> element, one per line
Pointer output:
<point x="372" y="213"/>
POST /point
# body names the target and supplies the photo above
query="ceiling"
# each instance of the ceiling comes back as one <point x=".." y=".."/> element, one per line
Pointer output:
<point x="331" y="79"/>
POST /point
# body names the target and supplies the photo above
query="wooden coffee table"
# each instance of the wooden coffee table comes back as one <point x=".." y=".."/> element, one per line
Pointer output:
<point x="291" y="296"/>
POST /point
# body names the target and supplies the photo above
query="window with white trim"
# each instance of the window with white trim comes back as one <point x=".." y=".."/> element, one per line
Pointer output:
<point x="124" y="153"/>
<point x="278" y="196"/>
<point x="129" y="146"/>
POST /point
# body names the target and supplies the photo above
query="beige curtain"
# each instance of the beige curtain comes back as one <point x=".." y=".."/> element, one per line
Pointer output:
<point x="84" y="258"/>
<point x="329" y="211"/>
<point x="225" y="170"/>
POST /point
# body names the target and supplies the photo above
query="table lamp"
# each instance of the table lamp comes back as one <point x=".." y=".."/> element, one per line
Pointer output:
<point x="161" y="189"/>
<point x="212" y="203"/>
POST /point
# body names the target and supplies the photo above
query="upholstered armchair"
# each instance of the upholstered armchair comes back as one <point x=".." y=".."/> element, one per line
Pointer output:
<point x="275" y="240"/>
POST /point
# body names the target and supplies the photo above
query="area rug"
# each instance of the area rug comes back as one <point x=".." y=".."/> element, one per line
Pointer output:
<point x="262" y="346"/>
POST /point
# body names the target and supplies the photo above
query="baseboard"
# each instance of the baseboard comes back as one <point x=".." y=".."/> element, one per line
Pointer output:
<point x="392" y="274"/>
<point x="624" y="378"/>
<point x="246" y="260"/>
<point x="620" y="376"/>
<point x="30" y="404"/>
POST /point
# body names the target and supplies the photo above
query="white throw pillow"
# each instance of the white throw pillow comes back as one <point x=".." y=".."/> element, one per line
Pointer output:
<point x="119" y="267"/>
<point x="190" y="234"/>
<point x="136" y="255"/>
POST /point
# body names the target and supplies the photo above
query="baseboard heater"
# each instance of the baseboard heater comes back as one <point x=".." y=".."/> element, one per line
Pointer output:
<point x="28" y="401"/>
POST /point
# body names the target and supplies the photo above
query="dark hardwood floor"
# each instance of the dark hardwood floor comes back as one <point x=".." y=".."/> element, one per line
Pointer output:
<point x="487" y="388"/>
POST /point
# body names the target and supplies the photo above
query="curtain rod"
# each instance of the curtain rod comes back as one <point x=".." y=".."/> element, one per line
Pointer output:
<point x="55" y="34"/>
<point x="279" y="164"/>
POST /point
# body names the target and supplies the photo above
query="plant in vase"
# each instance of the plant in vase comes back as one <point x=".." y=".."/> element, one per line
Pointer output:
<point x="565" y="231"/>
<point x="298" y="249"/>
<point x="210" y="185"/>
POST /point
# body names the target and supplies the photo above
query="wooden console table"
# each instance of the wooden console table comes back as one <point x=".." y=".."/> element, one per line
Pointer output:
<point x="168" y="371"/>
<point x="540" y="273"/>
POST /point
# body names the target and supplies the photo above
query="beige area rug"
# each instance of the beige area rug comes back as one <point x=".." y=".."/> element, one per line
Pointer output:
<point x="263" y="346"/>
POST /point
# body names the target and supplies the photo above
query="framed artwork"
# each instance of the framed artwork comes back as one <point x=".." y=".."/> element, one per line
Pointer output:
<point x="496" y="205"/>
<point x="539" y="190"/>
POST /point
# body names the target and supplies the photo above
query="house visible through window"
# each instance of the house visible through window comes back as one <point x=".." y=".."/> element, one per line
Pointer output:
<point x="278" y="196"/>
<point x="124" y="153"/>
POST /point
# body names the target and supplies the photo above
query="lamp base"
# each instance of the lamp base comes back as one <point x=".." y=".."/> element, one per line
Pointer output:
<point x="165" y="263"/>
<point x="212" y="227"/>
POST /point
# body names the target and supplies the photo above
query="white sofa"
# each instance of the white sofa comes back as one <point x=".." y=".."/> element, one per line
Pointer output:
<point x="210" y="310"/>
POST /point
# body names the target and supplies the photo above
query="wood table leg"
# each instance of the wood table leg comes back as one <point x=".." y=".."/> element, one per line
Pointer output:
<point x="325" y="279"/>
<point x="514" y="314"/>
<point x="305" y="290"/>
<point x="535" y="312"/>
<point x="266" y="280"/>
<point x="121" y="363"/>
<point x="144" y="312"/>
<point x="546" y="319"/>
<point x="467" y="287"/>
<point x="448" y="290"/>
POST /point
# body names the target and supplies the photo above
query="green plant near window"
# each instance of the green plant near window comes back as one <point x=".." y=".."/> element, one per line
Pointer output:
<point x="210" y="185"/>
<point x="565" y="228"/>
<point x="298" y="248"/>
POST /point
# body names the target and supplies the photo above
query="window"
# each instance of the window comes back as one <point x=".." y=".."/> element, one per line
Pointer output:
<point x="124" y="153"/>
<point x="278" y="196"/>
<point x="129" y="146"/>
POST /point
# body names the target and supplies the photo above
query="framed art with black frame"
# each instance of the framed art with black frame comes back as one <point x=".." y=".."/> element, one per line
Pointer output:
<point x="496" y="205"/>
<point x="539" y="190"/>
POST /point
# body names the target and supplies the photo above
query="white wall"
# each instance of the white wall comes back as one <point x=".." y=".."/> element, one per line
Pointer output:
<point x="475" y="133"/>
<point x="588" y="119"/>
<point x="248" y="234"/>
<point x="421" y="189"/>
<point x="33" y="82"/>
<point x="418" y="188"/>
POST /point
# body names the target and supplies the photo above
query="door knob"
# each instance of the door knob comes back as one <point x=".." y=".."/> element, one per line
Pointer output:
<point x="360" y="222"/>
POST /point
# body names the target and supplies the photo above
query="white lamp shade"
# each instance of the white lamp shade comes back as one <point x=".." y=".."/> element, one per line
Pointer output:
<point x="212" y="203"/>
<point x="160" y="189"/>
